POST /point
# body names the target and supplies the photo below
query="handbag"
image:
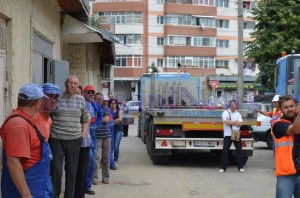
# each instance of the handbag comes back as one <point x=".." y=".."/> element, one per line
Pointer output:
<point x="235" y="134"/>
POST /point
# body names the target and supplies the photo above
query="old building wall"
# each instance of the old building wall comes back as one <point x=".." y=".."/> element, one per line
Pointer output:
<point x="75" y="54"/>
<point x="93" y="61"/>
<point x="22" y="19"/>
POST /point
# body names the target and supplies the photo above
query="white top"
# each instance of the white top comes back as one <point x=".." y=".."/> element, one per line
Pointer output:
<point x="235" y="116"/>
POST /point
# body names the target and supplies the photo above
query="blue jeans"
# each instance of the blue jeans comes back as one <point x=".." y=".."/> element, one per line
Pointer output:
<point x="287" y="186"/>
<point x="92" y="155"/>
<point x="118" y="137"/>
<point x="112" y="148"/>
<point x="226" y="148"/>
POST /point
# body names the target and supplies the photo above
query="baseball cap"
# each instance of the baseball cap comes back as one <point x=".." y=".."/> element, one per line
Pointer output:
<point x="276" y="98"/>
<point x="31" y="92"/>
<point x="105" y="97"/>
<point x="50" y="88"/>
<point x="89" y="88"/>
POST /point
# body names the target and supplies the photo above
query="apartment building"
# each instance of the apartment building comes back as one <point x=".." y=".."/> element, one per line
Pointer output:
<point x="201" y="35"/>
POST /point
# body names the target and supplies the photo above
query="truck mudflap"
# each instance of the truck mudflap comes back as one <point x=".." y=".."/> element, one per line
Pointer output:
<point x="198" y="143"/>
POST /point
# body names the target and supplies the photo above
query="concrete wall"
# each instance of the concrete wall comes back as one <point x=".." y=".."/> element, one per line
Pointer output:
<point x="84" y="62"/>
<point x="22" y="19"/>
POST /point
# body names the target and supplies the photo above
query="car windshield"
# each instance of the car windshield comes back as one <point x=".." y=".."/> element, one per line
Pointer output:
<point x="250" y="106"/>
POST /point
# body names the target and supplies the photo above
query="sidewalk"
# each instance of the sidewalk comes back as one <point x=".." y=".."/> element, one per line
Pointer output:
<point x="132" y="132"/>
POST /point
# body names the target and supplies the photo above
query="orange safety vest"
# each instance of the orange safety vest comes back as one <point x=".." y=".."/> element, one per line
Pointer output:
<point x="284" y="153"/>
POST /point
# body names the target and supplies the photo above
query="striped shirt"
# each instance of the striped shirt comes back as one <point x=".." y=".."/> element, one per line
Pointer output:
<point x="68" y="117"/>
<point x="103" y="131"/>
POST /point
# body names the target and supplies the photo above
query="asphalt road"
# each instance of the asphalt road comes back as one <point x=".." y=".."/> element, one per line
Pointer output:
<point x="187" y="175"/>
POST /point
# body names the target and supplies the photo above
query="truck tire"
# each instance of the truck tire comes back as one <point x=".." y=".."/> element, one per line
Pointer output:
<point x="269" y="141"/>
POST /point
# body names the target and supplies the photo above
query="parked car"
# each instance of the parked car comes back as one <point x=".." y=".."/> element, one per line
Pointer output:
<point x="263" y="132"/>
<point x="133" y="106"/>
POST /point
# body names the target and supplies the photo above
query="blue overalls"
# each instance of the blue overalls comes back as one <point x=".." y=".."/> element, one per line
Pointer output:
<point x="37" y="177"/>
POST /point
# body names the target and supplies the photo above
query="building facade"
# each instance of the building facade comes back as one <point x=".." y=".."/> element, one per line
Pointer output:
<point x="201" y="35"/>
<point x="45" y="41"/>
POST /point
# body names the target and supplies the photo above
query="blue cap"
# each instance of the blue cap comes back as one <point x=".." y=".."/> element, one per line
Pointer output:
<point x="50" y="88"/>
<point x="31" y="92"/>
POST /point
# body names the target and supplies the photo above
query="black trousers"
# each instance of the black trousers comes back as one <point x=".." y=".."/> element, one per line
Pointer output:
<point x="225" y="153"/>
<point x="68" y="149"/>
<point x="82" y="169"/>
<point x="125" y="130"/>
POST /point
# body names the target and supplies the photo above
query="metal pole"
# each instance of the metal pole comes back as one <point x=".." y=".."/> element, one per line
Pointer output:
<point x="240" y="52"/>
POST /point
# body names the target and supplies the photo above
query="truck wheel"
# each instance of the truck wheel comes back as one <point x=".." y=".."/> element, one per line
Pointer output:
<point x="160" y="159"/>
<point x="269" y="141"/>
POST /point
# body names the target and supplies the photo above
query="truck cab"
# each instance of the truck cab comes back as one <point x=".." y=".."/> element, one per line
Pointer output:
<point x="286" y="73"/>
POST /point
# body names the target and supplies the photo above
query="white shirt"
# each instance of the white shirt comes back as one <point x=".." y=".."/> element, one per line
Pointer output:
<point x="233" y="116"/>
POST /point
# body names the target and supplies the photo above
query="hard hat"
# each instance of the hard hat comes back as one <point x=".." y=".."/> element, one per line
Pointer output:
<point x="276" y="98"/>
<point x="89" y="88"/>
<point x="296" y="98"/>
<point x="105" y="97"/>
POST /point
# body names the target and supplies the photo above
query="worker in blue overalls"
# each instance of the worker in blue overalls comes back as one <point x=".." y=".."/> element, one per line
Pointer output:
<point x="26" y="153"/>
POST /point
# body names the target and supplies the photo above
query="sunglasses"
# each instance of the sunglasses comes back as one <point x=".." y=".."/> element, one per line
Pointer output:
<point x="53" y="96"/>
<point x="90" y="92"/>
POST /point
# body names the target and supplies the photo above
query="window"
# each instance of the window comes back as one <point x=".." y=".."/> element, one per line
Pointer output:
<point x="160" y="41"/>
<point x="222" y="23"/>
<point x="249" y="24"/>
<point x="120" y="17"/>
<point x="160" y="1"/>
<point x="160" y="20"/>
<point x="105" y="72"/>
<point x="129" y="61"/>
<point x="130" y="39"/>
<point x="248" y="5"/>
<point x="160" y="62"/>
<point x="223" y="43"/>
<point x="204" y="41"/>
<point x="221" y="63"/>
<point x="204" y="2"/>
<point x="2" y="36"/>
<point x="222" y="3"/>
<point x="207" y="22"/>
<point x="191" y="61"/>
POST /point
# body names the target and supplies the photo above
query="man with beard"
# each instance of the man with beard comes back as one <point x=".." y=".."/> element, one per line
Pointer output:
<point x="287" y="154"/>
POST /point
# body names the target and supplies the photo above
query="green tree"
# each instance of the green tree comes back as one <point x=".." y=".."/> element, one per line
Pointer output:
<point x="94" y="21"/>
<point x="153" y="67"/>
<point x="277" y="29"/>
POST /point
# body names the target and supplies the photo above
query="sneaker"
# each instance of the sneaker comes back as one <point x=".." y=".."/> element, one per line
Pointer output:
<point x="221" y="170"/>
<point x="116" y="163"/>
<point x="114" y="168"/>
<point x="105" y="181"/>
<point x="89" y="192"/>
<point x="241" y="170"/>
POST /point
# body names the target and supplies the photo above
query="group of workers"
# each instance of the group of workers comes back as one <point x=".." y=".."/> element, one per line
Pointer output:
<point x="78" y="129"/>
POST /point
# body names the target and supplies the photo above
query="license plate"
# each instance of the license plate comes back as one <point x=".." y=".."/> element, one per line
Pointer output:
<point x="178" y="144"/>
<point x="204" y="143"/>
